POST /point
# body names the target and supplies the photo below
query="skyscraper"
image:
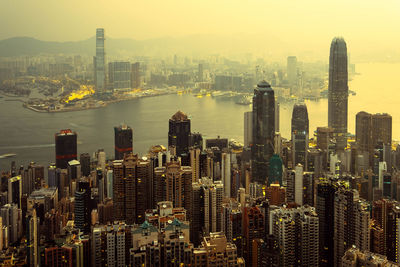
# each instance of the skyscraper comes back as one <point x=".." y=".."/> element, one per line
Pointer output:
<point x="82" y="209"/>
<point x="66" y="148"/>
<point x="297" y="234"/>
<point x="300" y="130"/>
<point x="119" y="75"/>
<point x="99" y="62"/>
<point x="338" y="91"/>
<point x="248" y="128"/>
<point x="262" y="147"/>
<point x="179" y="133"/>
<point x="122" y="141"/>
<point x="292" y="70"/>
<point x="135" y="75"/>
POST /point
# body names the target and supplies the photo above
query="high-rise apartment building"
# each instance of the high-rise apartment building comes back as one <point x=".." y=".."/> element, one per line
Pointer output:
<point x="122" y="141"/>
<point x="131" y="182"/>
<point x="179" y="133"/>
<point x="297" y="231"/>
<point x="351" y="223"/>
<point x="253" y="228"/>
<point x="338" y="91"/>
<point x="99" y="62"/>
<point x="263" y="125"/>
<point x="66" y="148"/>
<point x="206" y="208"/>
<point x="300" y="131"/>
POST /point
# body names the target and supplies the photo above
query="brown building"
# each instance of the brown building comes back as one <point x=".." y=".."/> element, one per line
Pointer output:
<point x="354" y="258"/>
<point x="276" y="194"/>
<point x="324" y="135"/>
<point x="215" y="250"/>
<point x="131" y="183"/>
<point x="253" y="228"/>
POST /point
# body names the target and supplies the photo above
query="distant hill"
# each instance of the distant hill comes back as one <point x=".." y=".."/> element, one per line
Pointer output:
<point x="189" y="45"/>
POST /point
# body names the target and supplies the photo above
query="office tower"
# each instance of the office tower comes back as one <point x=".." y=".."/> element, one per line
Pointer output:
<point x="275" y="194"/>
<point x="32" y="240"/>
<point x="119" y="75"/>
<point x="135" y="76"/>
<point x="122" y="141"/>
<point x="263" y="124"/>
<point x="382" y="128"/>
<point x="85" y="164"/>
<point x="196" y="141"/>
<point x="51" y="175"/>
<point x="300" y="130"/>
<point x="82" y="206"/>
<point x="131" y="182"/>
<point x="253" y="228"/>
<point x="220" y="143"/>
<point x="297" y="232"/>
<point x="216" y="250"/>
<point x="248" y="128"/>
<point x="66" y="148"/>
<point x="179" y="133"/>
<point x="74" y="170"/>
<point x="324" y="208"/>
<point x="371" y="130"/>
<point x="292" y="71"/>
<point x="43" y="200"/>
<point x="351" y="223"/>
<point x="200" y="73"/>
<point x="99" y="62"/>
<point x="277" y="110"/>
<point x="338" y="91"/>
<point x="206" y="206"/>
<point x="324" y="136"/>
<point x="15" y="190"/>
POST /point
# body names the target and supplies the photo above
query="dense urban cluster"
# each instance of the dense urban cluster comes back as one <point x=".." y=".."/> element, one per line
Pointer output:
<point x="326" y="200"/>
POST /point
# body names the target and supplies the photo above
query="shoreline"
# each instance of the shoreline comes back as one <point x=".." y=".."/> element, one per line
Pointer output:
<point x="102" y="104"/>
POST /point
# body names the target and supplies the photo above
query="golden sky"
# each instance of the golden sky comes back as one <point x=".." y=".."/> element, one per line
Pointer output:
<point x="367" y="25"/>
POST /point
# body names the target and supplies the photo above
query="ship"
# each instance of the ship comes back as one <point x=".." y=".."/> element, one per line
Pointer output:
<point x="7" y="156"/>
<point x="244" y="100"/>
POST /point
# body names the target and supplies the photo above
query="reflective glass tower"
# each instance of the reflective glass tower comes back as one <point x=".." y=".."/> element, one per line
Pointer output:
<point x="262" y="147"/>
<point x="99" y="62"/>
<point x="300" y="126"/>
<point x="338" y="90"/>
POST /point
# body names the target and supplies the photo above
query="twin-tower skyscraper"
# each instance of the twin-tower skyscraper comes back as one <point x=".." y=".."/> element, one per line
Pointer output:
<point x="263" y="115"/>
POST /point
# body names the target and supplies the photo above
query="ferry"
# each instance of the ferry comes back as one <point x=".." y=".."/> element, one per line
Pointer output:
<point x="7" y="156"/>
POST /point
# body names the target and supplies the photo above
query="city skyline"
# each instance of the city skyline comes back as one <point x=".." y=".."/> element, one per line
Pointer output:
<point x="219" y="137"/>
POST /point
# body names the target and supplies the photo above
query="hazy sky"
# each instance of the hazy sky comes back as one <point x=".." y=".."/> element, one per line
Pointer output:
<point x="365" y="24"/>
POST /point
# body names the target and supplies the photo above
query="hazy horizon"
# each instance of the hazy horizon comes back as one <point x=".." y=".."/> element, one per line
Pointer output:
<point x="289" y="27"/>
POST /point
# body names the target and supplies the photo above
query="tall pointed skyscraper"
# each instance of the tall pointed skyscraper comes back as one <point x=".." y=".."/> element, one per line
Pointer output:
<point x="99" y="62"/>
<point x="338" y="91"/>
<point x="262" y="147"/>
